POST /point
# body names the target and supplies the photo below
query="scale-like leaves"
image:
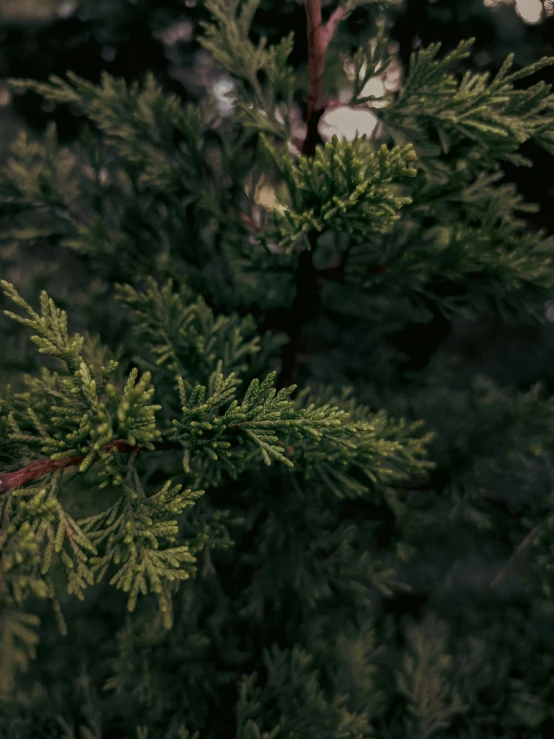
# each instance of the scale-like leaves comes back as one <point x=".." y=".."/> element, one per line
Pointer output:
<point x="66" y="414"/>
<point x="131" y="535"/>
<point x="179" y="332"/>
<point x="139" y="125"/>
<point x="494" y="116"/>
<point x="346" y="187"/>
<point x="263" y="107"/>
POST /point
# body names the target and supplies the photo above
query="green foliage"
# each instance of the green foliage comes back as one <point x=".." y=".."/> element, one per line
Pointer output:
<point x="139" y="125"/>
<point x="36" y="176"/>
<point x="368" y="61"/>
<point x="132" y="530"/>
<point x="18" y="641"/>
<point x="495" y="117"/>
<point x="84" y="422"/>
<point x="343" y="188"/>
<point x="150" y="143"/>
<point x="180" y="335"/>
<point x="90" y="414"/>
<point x="265" y="107"/>
<point x="293" y="688"/>
<point x="248" y="509"/>
<point x="424" y="681"/>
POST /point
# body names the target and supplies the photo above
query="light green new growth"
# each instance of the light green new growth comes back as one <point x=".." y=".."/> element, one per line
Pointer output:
<point x="72" y="415"/>
<point x="263" y="414"/>
<point x="131" y="532"/>
<point x="81" y="422"/>
<point x="346" y="187"/>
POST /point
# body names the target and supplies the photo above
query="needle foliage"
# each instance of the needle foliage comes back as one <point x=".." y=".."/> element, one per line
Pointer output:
<point x="231" y="505"/>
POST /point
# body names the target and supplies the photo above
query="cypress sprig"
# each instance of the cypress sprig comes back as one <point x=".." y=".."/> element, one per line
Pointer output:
<point x="494" y="116"/>
<point x="344" y="188"/>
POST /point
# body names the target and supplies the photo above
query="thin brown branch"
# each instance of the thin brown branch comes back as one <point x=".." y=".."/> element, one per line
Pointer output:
<point x="319" y="38"/>
<point x="40" y="467"/>
<point x="249" y="222"/>
<point x="333" y="23"/>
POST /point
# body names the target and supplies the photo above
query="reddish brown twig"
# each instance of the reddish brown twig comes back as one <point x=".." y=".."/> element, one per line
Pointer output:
<point x="40" y="467"/>
<point x="319" y="38"/>
<point x="334" y="21"/>
<point x="249" y="222"/>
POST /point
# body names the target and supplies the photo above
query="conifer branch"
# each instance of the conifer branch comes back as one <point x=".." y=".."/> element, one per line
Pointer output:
<point x="352" y="203"/>
<point x="249" y="222"/>
<point x="40" y="467"/>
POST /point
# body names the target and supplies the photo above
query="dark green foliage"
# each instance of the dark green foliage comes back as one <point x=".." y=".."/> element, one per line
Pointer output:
<point x="193" y="547"/>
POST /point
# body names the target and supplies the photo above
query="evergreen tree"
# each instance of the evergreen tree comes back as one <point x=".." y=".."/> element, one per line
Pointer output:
<point x="231" y="503"/>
